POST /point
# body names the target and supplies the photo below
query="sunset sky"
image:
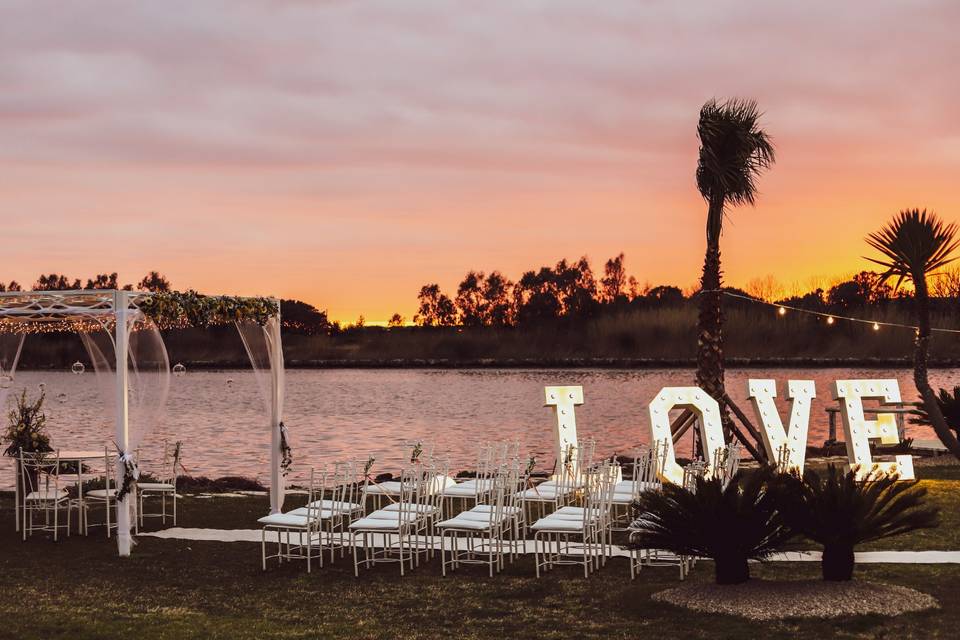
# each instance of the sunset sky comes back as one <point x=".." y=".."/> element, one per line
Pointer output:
<point x="346" y="153"/>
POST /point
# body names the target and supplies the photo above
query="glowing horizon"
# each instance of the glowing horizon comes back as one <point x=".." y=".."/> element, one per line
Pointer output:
<point x="352" y="152"/>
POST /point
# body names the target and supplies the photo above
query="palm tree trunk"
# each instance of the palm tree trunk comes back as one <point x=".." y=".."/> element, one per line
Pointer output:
<point x="710" y="318"/>
<point x="732" y="569"/>
<point x="837" y="563"/>
<point x="920" y="379"/>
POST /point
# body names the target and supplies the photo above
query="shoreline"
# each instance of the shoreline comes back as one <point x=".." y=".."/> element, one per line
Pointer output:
<point x="568" y="363"/>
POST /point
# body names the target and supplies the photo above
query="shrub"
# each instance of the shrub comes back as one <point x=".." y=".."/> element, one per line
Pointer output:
<point x="839" y="512"/>
<point x="731" y="524"/>
<point x="27" y="429"/>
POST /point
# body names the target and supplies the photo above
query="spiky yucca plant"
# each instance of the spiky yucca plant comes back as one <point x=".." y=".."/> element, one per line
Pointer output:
<point x="734" y="151"/>
<point x="839" y="512"/>
<point x="731" y="524"/>
<point x="914" y="245"/>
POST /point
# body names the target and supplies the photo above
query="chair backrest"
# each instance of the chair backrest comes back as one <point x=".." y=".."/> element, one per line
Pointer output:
<point x="39" y="470"/>
<point x="317" y="487"/>
<point x="109" y="470"/>
<point x="691" y="473"/>
<point x="412" y="481"/>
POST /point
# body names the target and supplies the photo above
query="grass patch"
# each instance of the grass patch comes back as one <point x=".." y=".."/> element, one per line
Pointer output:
<point x="79" y="588"/>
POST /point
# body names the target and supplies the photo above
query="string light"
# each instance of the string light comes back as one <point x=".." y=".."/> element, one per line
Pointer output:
<point x="782" y="309"/>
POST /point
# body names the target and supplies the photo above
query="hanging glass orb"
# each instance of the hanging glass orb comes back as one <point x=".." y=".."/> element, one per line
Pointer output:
<point x="179" y="369"/>
<point x="62" y="397"/>
<point x="42" y="387"/>
<point x="6" y="381"/>
<point x="229" y="382"/>
<point x="78" y="367"/>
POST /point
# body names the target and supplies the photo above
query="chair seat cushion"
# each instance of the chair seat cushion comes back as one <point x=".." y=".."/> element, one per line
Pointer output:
<point x="480" y="517"/>
<point x="484" y="483"/>
<point x="461" y="491"/>
<point x="100" y="493"/>
<point x="544" y="493"/>
<point x="557" y="524"/>
<point x="155" y="486"/>
<point x="487" y="508"/>
<point x="380" y="521"/>
<point x="46" y="495"/>
<point x="389" y="488"/>
<point x="461" y="522"/>
<point x="316" y="513"/>
<point x="289" y="520"/>
<point x="335" y="505"/>
<point x="410" y="508"/>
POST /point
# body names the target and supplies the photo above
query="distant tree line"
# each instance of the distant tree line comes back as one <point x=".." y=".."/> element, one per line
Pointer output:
<point x="570" y="292"/>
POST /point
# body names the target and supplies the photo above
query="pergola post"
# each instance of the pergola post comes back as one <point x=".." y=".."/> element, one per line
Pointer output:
<point x="121" y="349"/>
<point x="276" y="402"/>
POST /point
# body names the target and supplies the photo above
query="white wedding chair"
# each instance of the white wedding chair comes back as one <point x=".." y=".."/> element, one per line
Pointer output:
<point x="166" y="485"/>
<point x="389" y="536"/>
<point x="480" y="531"/>
<point x="578" y="535"/>
<point x="559" y="490"/>
<point x="105" y="497"/>
<point x="644" y="477"/>
<point x="340" y="509"/>
<point x="304" y="523"/>
<point x="43" y="493"/>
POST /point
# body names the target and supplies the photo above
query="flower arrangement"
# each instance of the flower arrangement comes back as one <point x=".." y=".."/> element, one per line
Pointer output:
<point x="27" y="429"/>
<point x="178" y="309"/>
<point x="416" y="453"/>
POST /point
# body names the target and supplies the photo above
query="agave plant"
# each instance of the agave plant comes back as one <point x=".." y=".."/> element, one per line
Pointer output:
<point x="731" y="524"/>
<point x="840" y="512"/>
<point x="734" y="151"/>
<point x="916" y="244"/>
<point x="949" y="406"/>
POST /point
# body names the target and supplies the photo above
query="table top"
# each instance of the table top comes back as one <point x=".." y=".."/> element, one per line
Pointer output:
<point x="69" y="454"/>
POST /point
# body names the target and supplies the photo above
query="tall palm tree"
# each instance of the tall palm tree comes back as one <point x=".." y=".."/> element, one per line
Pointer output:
<point x="734" y="151"/>
<point x="914" y="245"/>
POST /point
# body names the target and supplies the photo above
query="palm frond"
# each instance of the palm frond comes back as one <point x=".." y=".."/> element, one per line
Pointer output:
<point x="836" y="508"/>
<point x="914" y="244"/>
<point x="734" y="150"/>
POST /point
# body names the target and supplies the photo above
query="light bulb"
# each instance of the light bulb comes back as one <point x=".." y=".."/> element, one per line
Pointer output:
<point x="830" y="320"/>
<point x="876" y="327"/>
<point x="782" y="311"/>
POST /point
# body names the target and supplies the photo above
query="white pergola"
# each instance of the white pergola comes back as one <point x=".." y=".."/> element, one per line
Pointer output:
<point x="114" y="311"/>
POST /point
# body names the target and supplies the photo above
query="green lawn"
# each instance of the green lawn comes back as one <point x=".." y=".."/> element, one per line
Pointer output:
<point x="79" y="588"/>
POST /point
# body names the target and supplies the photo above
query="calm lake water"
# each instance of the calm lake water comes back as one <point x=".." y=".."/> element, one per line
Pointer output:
<point x="331" y="414"/>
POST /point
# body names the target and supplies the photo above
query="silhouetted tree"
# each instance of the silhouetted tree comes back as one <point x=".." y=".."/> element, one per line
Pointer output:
<point x="863" y="289"/>
<point x="396" y="320"/>
<point x="470" y="300"/>
<point x="55" y="282"/>
<point x="13" y="286"/>
<point x="436" y="308"/>
<point x="614" y="280"/>
<point x="103" y="281"/>
<point x="576" y="288"/>
<point x="155" y="282"/>
<point x="535" y="297"/>
<point x="665" y="295"/>
<point x="304" y="318"/>
<point x="498" y="309"/>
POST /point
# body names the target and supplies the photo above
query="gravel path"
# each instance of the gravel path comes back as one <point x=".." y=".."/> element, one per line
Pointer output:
<point x="769" y="600"/>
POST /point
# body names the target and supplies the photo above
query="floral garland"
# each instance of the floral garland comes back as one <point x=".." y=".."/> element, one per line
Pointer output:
<point x="286" y="452"/>
<point x="130" y="474"/>
<point x="181" y="309"/>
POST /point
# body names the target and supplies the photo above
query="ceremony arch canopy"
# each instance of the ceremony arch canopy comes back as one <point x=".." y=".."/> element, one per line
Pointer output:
<point x="131" y="322"/>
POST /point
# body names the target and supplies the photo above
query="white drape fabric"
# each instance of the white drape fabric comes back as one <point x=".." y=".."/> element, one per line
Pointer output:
<point x="11" y="345"/>
<point x="265" y="351"/>
<point x="148" y="371"/>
